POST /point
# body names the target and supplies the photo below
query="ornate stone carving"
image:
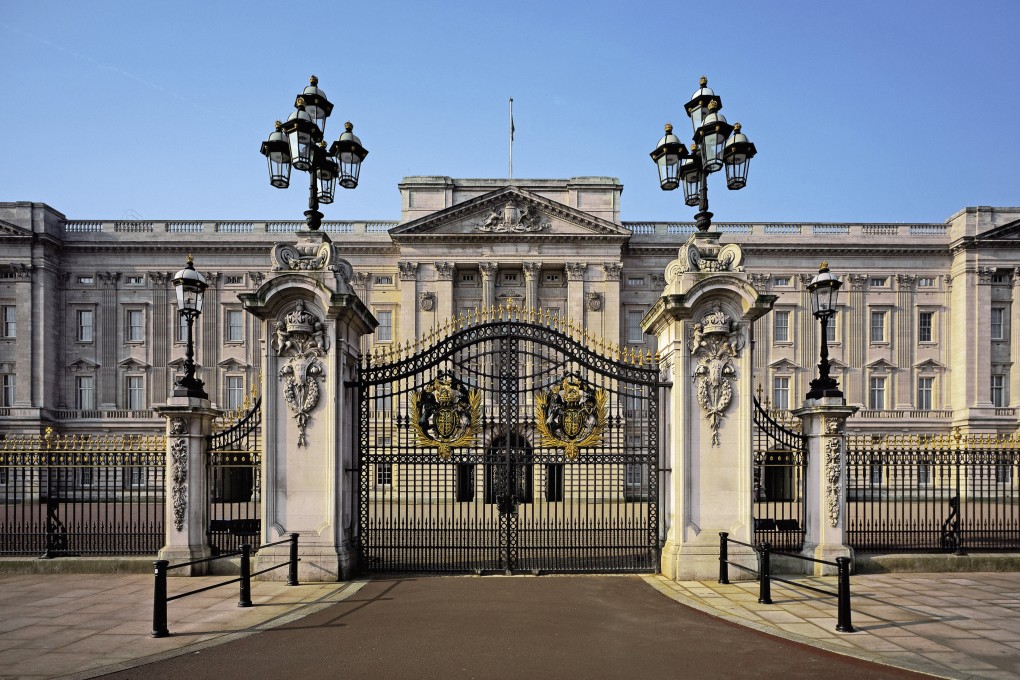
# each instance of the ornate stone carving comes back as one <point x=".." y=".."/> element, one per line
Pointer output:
<point x="985" y="274"/>
<point x="179" y="480"/>
<point x="857" y="281"/>
<point x="512" y="219"/>
<point x="593" y="301"/>
<point x="256" y="278"/>
<point x="805" y="279"/>
<point x="178" y="426"/>
<point x="576" y="270"/>
<point x="212" y="278"/>
<point x="1016" y="276"/>
<point x="315" y="253"/>
<point x="63" y="278"/>
<point x="108" y="279"/>
<point x="301" y="337"/>
<point x="612" y="270"/>
<point x="531" y="270"/>
<point x="658" y="280"/>
<point x="160" y="279"/>
<point x="759" y="281"/>
<point x="948" y="280"/>
<point x="488" y="270"/>
<point x="832" y="448"/>
<point x="361" y="279"/>
<point x="715" y="341"/>
<point x="407" y="271"/>
<point x="445" y="271"/>
<point x="905" y="281"/>
<point x="22" y="271"/>
<point x="426" y="301"/>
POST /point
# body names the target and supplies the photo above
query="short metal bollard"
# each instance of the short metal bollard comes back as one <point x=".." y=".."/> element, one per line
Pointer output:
<point x="245" y="598"/>
<point x="724" y="571"/>
<point x="292" y="571"/>
<point x="843" y="623"/>
<point x="159" y="629"/>
<point x="765" y="580"/>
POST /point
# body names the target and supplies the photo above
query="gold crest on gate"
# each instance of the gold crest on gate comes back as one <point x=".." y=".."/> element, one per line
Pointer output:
<point x="571" y="415"/>
<point x="445" y="415"/>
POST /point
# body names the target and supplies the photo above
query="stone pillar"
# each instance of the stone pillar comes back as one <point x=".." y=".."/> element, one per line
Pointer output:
<point x="408" y="329"/>
<point x="904" y="346"/>
<point x="313" y="322"/>
<point x="703" y="322"/>
<point x="611" y="304"/>
<point x="210" y="353"/>
<point x="108" y="339"/>
<point x="532" y="275"/>
<point x="164" y="331"/>
<point x="855" y="339"/>
<point x="189" y="423"/>
<point x="823" y="422"/>
<point x="1014" y="342"/>
<point x="488" y="271"/>
<point x="575" y="291"/>
<point x="444" y="291"/>
<point x="29" y="388"/>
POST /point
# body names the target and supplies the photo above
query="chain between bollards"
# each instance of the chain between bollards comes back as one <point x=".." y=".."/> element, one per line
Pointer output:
<point x="292" y="579"/>
<point x="159" y="629"/>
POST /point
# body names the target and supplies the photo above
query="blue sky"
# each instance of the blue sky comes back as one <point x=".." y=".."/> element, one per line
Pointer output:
<point x="861" y="111"/>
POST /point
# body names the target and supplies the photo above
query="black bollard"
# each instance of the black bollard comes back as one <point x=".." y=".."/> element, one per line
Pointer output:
<point x="765" y="580"/>
<point x="159" y="629"/>
<point x="724" y="571"/>
<point x="292" y="571"/>
<point x="245" y="599"/>
<point x="843" y="624"/>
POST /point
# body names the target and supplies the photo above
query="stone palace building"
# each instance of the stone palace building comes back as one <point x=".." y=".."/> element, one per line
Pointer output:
<point x="927" y="336"/>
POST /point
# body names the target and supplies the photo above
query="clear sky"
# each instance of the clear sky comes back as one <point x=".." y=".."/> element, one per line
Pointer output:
<point x="887" y="111"/>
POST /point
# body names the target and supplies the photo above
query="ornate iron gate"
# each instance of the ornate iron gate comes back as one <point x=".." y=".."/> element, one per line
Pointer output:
<point x="233" y="474"/>
<point x="509" y="443"/>
<point x="779" y="493"/>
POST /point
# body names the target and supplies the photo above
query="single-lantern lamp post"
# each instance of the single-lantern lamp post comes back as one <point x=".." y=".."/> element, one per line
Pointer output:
<point x="717" y="145"/>
<point x="824" y="289"/>
<point x="190" y="286"/>
<point x="298" y="143"/>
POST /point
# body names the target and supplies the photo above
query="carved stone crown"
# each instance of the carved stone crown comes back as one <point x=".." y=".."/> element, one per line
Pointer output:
<point x="716" y="322"/>
<point x="299" y="321"/>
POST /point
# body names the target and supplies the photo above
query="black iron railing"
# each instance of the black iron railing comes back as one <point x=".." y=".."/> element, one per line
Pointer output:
<point x="159" y="592"/>
<point x="81" y="494"/>
<point x="765" y="577"/>
<point x="779" y="478"/>
<point x="233" y="471"/>
<point x="943" y="493"/>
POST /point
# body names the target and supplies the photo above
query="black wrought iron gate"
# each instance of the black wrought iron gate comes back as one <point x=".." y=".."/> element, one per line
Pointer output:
<point x="511" y="445"/>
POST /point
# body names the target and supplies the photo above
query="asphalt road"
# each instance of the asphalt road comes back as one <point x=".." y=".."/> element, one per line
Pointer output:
<point x="522" y="628"/>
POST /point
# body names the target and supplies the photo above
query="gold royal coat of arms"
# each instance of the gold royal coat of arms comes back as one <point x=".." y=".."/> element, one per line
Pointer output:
<point x="571" y="416"/>
<point x="445" y="415"/>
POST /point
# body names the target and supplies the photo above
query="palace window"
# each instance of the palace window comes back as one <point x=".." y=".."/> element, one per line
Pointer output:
<point x="384" y="331"/>
<point x="782" y="281"/>
<point x="830" y="330"/>
<point x="876" y="401"/>
<point x="553" y="277"/>
<point x="383" y="281"/>
<point x="924" y="474"/>
<point x="133" y="281"/>
<point x="877" y="326"/>
<point x="383" y="474"/>
<point x="879" y="281"/>
<point x="135" y="325"/>
<point x="635" y="281"/>
<point x="781" y="392"/>
<point x="510" y="277"/>
<point x="998" y="314"/>
<point x="781" y="327"/>
<point x="235" y="280"/>
<point x="999" y="391"/>
<point x="926" y="282"/>
<point x="234" y="388"/>
<point x="85" y="392"/>
<point x="8" y="385"/>
<point x="468" y="277"/>
<point x="87" y="280"/>
<point x="924" y="326"/>
<point x="85" y="319"/>
<point x="1003" y="474"/>
<point x="635" y="336"/>
<point x="235" y="325"/>
<point x="875" y="474"/>
<point x="924" y="392"/>
<point x="135" y="393"/>
<point x="10" y="321"/>
<point x="182" y="328"/>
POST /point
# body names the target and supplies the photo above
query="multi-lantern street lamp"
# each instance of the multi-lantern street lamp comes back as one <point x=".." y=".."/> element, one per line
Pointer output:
<point x="824" y="289"/>
<point x="298" y="143"/>
<point x="717" y="145"/>
<point x="190" y="286"/>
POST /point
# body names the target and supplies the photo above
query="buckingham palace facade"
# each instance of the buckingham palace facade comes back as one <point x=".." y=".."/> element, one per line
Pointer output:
<point x="927" y="337"/>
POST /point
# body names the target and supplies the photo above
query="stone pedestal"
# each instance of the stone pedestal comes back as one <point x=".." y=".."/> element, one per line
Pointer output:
<point x="702" y="322"/>
<point x="823" y="422"/>
<point x="313" y="322"/>
<point x="189" y="423"/>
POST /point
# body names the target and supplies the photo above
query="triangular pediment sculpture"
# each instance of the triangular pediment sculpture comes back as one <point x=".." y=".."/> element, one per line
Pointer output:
<point x="1007" y="232"/>
<point x="881" y="365"/>
<point x="509" y="213"/>
<point x="8" y="229"/>
<point x="132" y="363"/>
<point x="83" y="364"/>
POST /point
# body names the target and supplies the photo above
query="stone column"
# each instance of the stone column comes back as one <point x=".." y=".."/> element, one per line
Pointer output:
<point x="189" y="422"/>
<point x="575" y="291"/>
<point x="488" y="271"/>
<point x="823" y="422"/>
<point x="408" y="330"/>
<point x="904" y="347"/>
<point x="313" y="322"/>
<point x="211" y="319"/>
<point x="1014" y="342"/>
<point x="163" y="333"/>
<point x="703" y="322"/>
<point x="28" y="390"/>
<point x="444" y="291"/>
<point x="855" y="340"/>
<point x="108" y="339"/>
<point x="532" y="275"/>
<point x="611" y="304"/>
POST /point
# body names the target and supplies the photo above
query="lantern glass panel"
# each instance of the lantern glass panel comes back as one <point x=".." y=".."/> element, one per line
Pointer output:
<point x="668" y="171"/>
<point x="327" y="187"/>
<point x="736" y="172"/>
<point x="300" y="149"/>
<point x="692" y="188"/>
<point x="279" y="173"/>
<point x="698" y="114"/>
<point x="712" y="148"/>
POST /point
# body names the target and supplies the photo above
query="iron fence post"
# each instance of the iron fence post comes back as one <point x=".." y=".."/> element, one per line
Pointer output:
<point x="292" y="571"/>
<point x="765" y="581"/>
<point x="245" y="599"/>
<point x="724" y="576"/>
<point x="959" y="514"/>
<point x="159" y="628"/>
<point x="843" y="624"/>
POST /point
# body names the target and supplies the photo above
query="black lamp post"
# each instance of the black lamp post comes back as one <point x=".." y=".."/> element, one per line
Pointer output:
<point x="298" y="143"/>
<point x="717" y="145"/>
<point x="824" y="289"/>
<point x="190" y="287"/>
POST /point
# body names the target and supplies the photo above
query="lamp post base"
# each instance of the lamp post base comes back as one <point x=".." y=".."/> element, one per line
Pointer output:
<point x="313" y="218"/>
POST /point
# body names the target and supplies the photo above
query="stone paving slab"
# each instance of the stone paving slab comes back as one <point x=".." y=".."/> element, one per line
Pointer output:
<point x="949" y="626"/>
<point x="81" y="626"/>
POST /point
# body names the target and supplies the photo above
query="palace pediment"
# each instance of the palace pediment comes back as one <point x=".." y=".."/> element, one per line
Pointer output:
<point x="8" y="229"/>
<point x="1007" y="232"/>
<point x="507" y="214"/>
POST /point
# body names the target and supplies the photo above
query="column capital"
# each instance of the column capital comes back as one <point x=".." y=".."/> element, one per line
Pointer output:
<point x="576" y="270"/>
<point x="531" y="270"/>
<point x="407" y="271"/>
<point x="108" y="279"/>
<point x="23" y="271"/>
<point x="445" y="270"/>
<point x="612" y="270"/>
<point x="160" y="279"/>
<point x="487" y="269"/>
<point x="857" y="281"/>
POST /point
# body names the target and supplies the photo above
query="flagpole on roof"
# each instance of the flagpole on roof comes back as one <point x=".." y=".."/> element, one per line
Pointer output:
<point x="511" y="137"/>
